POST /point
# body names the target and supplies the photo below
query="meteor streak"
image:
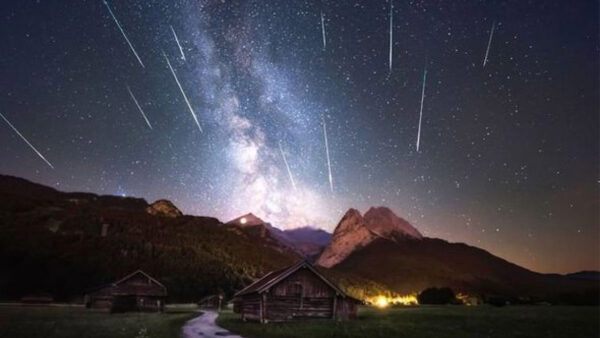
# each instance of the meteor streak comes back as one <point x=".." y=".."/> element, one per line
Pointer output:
<point x="323" y="30"/>
<point x="123" y="33"/>
<point x="391" y="34"/>
<point x="139" y="107"/>
<point x="287" y="166"/>
<point x="178" y="44"/>
<point x="421" y="111"/>
<point x="29" y="144"/>
<point x="487" y="51"/>
<point x="327" y="153"/>
<point x="182" y="92"/>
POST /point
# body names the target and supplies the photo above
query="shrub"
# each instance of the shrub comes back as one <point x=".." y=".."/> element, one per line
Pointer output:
<point x="437" y="296"/>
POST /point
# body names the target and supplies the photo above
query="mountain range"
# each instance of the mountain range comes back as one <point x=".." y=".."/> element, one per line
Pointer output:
<point x="386" y="249"/>
<point x="307" y="241"/>
<point x="59" y="243"/>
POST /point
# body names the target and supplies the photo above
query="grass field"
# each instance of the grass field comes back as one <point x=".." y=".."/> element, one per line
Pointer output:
<point x="437" y="322"/>
<point x="69" y="322"/>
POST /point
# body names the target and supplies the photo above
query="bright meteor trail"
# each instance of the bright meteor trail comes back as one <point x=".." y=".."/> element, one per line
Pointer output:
<point x="123" y="33"/>
<point x="29" y="144"/>
<point x="421" y="111"/>
<point x="327" y="153"/>
<point x="182" y="92"/>
<point x="487" y="51"/>
<point x="323" y="30"/>
<point x="287" y="166"/>
<point x="261" y="72"/>
<point x="178" y="44"/>
<point x="391" y="34"/>
<point x="139" y="107"/>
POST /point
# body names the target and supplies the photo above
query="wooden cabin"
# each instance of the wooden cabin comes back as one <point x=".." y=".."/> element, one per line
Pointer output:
<point x="296" y="292"/>
<point x="213" y="302"/>
<point x="134" y="292"/>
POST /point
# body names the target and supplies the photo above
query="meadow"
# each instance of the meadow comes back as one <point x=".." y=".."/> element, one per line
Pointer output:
<point x="436" y="322"/>
<point x="18" y="321"/>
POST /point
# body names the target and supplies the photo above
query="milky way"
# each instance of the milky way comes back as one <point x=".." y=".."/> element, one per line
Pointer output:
<point x="508" y="159"/>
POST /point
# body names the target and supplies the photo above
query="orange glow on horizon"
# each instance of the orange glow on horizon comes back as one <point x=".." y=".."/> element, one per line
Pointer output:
<point x="382" y="301"/>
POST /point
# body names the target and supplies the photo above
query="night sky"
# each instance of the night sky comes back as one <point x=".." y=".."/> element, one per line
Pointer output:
<point x="508" y="157"/>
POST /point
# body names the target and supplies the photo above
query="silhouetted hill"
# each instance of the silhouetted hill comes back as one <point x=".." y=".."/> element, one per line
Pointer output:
<point x="584" y="275"/>
<point x="63" y="243"/>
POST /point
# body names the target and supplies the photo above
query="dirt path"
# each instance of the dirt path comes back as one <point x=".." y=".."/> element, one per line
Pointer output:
<point x="205" y="326"/>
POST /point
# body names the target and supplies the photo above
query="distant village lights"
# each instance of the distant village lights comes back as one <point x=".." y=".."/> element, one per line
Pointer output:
<point x="381" y="302"/>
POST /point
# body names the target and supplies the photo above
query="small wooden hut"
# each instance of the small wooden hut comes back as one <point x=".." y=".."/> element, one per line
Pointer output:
<point x="134" y="292"/>
<point x="296" y="292"/>
<point x="213" y="302"/>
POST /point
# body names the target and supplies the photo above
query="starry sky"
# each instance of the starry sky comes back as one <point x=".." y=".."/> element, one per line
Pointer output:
<point x="508" y="154"/>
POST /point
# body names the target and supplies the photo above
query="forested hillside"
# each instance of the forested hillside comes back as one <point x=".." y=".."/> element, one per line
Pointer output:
<point x="61" y="244"/>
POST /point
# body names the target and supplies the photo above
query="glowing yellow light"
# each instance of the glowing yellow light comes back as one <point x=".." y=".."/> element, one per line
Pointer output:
<point x="381" y="302"/>
<point x="385" y="301"/>
<point x="243" y="220"/>
<point x="405" y="300"/>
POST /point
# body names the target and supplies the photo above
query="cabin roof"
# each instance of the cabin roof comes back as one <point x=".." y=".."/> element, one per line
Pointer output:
<point x="119" y="288"/>
<point x="265" y="283"/>
<point x="135" y="273"/>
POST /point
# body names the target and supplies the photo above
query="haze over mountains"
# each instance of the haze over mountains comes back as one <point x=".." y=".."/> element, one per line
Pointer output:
<point x="307" y="241"/>
<point x="62" y="243"/>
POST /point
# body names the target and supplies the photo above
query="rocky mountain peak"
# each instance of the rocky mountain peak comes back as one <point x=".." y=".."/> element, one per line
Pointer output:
<point x="349" y="235"/>
<point x="254" y="224"/>
<point x="383" y="222"/>
<point x="163" y="208"/>
<point x="355" y="231"/>
<point x="248" y="219"/>
<point x="351" y="221"/>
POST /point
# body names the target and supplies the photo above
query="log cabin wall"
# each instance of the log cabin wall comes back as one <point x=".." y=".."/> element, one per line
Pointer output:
<point x="251" y="307"/>
<point x="136" y="292"/>
<point x="345" y="308"/>
<point x="302" y="282"/>
<point x="99" y="302"/>
<point x="298" y="291"/>
<point x="150" y="303"/>
<point x="300" y="295"/>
